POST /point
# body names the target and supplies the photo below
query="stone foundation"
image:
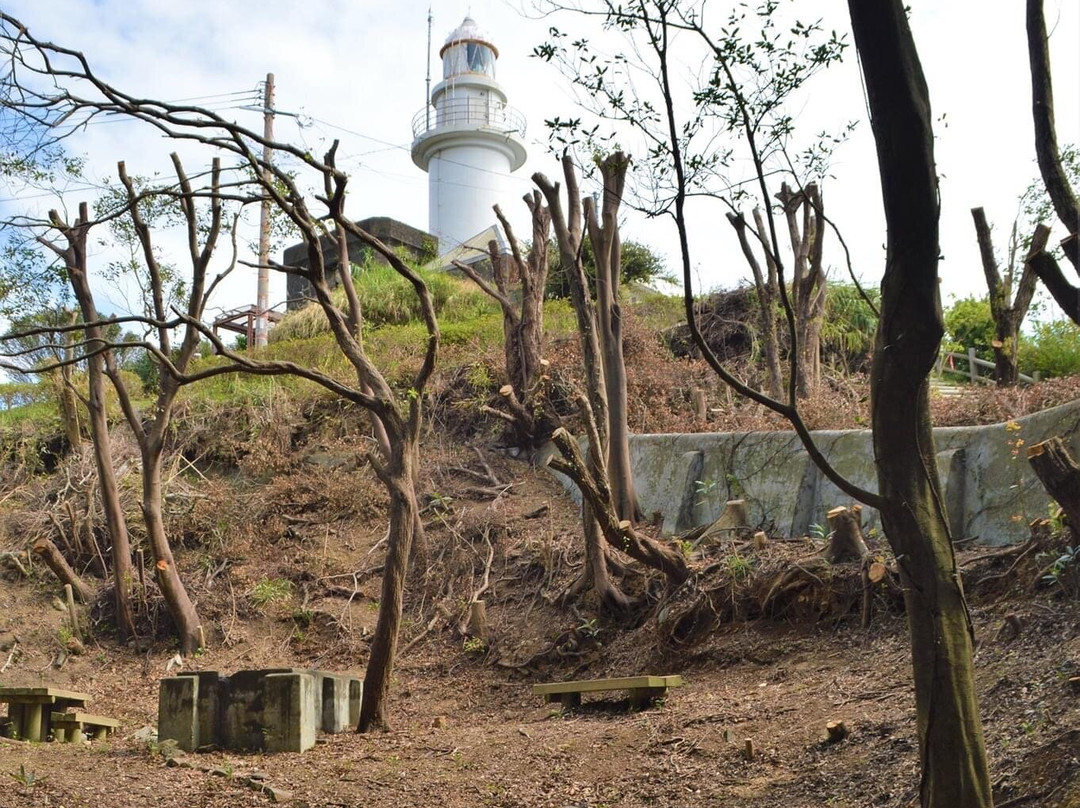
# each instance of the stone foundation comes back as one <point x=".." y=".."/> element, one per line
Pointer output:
<point x="275" y="710"/>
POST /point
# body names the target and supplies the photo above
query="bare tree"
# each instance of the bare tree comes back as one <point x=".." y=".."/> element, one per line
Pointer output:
<point x="71" y="249"/>
<point x="523" y="322"/>
<point x="568" y="226"/>
<point x="768" y="292"/>
<point x="1062" y="195"/>
<point x="603" y="229"/>
<point x="1007" y="310"/>
<point x="72" y="88"/>
<point x="151" y="429"/>
<point x="808" y="283"/>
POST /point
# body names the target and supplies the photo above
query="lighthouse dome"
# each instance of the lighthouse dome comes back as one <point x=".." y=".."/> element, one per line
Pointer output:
<point x="468" y="49"/>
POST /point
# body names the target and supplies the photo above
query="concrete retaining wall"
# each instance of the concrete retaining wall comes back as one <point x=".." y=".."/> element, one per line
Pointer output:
<point x="990" y="492"/>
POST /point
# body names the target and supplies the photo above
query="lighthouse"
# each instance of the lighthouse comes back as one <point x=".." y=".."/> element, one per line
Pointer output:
<point x="468" y="139"/>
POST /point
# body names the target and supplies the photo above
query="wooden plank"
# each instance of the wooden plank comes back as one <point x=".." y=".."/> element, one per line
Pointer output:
<point x="50" y="693"/>
<point x="596" y="685"/>
<point x="84" y="718"/>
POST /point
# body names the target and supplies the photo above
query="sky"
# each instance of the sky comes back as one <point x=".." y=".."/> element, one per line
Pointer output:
<point x="355" y="70"/>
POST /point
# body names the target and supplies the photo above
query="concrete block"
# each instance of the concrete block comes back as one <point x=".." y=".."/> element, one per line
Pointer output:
<point x="356" y="695"/>
<point x="243" y="703"/>
<point x="335" y="703"/>
<point x="208" y="706"/>
<point x="289" y="717"/>
<point x="178" y="715"/>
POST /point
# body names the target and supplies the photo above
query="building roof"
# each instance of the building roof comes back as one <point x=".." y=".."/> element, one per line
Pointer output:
<point x="473" y="250"/>
<point x="468" y="31"/>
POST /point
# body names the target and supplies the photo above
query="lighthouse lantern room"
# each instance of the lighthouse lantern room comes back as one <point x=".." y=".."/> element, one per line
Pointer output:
<point x="468" y="140"/>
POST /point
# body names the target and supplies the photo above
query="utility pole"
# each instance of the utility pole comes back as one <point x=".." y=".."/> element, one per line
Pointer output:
<point x="262" y="300"/>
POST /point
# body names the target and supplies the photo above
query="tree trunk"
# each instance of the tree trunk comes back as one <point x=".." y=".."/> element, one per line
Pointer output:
<point x="69" y="404"/>
<point x="75" y="259"/>
<point x="1006" y="371"/>
<point x="69" y="409"/>
<point x="110" y="502"/>
<point x="619" y="534"/>
<point x="55" y="561"/>
<point x="810" y="352"/>
<point x="951" y="744"/>
<point x="400" y="471"/>
<point x="1060" y="476"/>
<point x="1064" y="293"/>
<point x="767" y="298"/>
<point x="523" y="322"/>
<point x="180" y="607"/>
<point x="807" y="280"/>
<point x="603" y="227"/>
<point x="594" y="409"/>
<point x="596" y="564"/>
<point x="1057" y="185"/>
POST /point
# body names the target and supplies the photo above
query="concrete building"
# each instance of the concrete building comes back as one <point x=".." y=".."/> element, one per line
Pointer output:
<point x="468" y="139"/>
<point x="415" y="244"/>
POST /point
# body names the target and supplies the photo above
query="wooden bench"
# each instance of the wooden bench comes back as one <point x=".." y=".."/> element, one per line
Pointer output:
<point x="644" y="690"/>
<point x="74" y="727"/>
<point x="29" y="709"/>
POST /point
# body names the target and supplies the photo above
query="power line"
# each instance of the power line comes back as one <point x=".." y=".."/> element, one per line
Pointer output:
<point x="408" y="149"/>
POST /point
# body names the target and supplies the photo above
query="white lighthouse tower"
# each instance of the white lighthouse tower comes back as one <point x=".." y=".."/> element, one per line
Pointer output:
<point x="468" y="139"/>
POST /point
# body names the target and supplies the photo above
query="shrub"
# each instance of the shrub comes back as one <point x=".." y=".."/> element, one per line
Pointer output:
<point x="849" y="326"/>
<point x="969" y="324"/>
<point x="1053" y="349"/>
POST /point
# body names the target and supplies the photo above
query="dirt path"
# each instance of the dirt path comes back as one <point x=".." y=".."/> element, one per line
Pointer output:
<point x="468" y="735"/>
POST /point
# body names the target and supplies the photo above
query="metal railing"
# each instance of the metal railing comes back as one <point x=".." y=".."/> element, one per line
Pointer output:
<point x="947" y="362"/>
<point x="479" y="112"/>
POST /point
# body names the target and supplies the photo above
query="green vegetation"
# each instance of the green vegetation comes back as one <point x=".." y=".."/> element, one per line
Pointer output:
<point x="269" y="590"/>
<point x="387" y="299"/>
<point x="849" y="325"/>
<point x="1053" y="349"/>
<point x="640" y="265"/>
<point x="969" y="324"/>
<point x="27" y="779"/>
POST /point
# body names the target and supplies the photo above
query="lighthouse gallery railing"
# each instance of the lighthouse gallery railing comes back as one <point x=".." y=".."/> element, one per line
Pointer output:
<point x="477" y="112"/>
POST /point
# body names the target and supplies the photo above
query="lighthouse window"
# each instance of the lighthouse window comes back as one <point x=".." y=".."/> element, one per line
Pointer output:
<point x="468" y="57"/>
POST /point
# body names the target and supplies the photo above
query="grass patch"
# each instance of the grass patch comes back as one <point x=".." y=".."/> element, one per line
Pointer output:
<point x="269" y="590"/>
<point x="388" y="299"/>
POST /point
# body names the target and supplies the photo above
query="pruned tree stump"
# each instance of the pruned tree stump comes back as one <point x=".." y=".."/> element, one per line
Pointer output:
<point x="845" y="535"/>
<point x="700" y="411"/>
<point x="477" y="625"/>
<point x="1060" y="476"/>
<point x="835" y="731"/>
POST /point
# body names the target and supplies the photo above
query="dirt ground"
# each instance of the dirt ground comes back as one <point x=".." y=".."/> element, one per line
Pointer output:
<point x="467" y="730"/>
